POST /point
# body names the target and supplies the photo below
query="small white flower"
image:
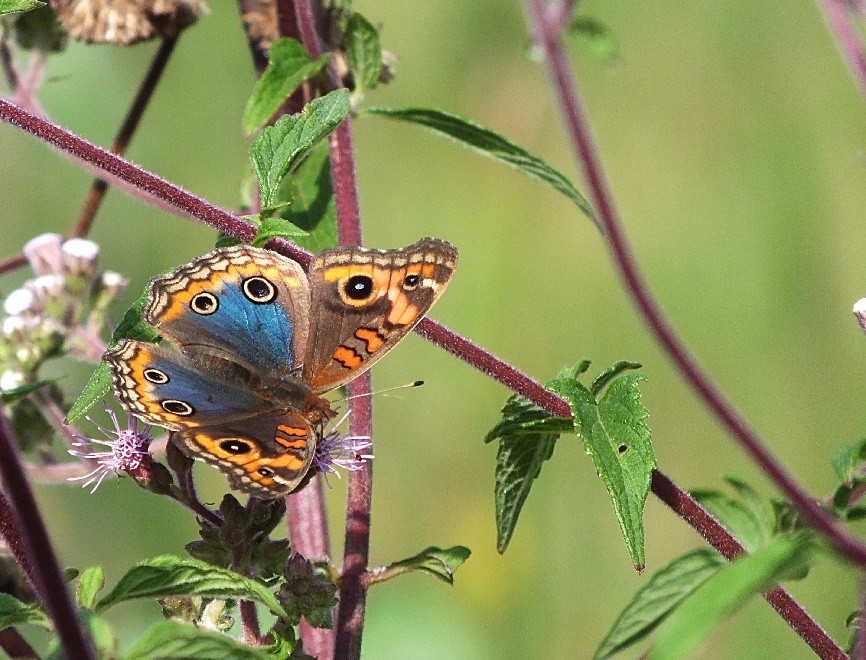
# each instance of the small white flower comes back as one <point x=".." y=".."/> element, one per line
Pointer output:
<point x="860" y="312"/>
<point x="44" y="253"/>
<point x="10" y="379"/>
<point x="79" y="256"/>
<point x="126" y="450"/>
<point x="19" y="301"/>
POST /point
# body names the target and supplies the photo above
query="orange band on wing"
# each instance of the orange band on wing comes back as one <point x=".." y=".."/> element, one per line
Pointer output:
<point x="180" y="299"/>
<point x="371" y="338"/>
<point x="347" y="357"/>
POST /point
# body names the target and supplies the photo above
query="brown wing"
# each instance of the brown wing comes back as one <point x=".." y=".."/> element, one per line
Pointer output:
<point x="365" y="301"/>
<point x="267" y="456"/>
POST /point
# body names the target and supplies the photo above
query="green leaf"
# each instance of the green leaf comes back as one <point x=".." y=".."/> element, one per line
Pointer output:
<point x="179" y="641"/>
<point x="617" y="439"/>
<point x="18" y="393"/>
<point x="310" y="197"/>
<point x="727" y="590"/>
<point x="610" y="373"/>
<point x="736" y="517"/>
<point x="224" y="240"/>
<point x="518" y="461"/>
<point x="89" y="584"/>
<point x="364" y="52"/>
<point x="437" y="562"/>
<point x="527" y="437"/>
<point x="288" y="66"/>
<point x="597" y="36"/>
<point x="276" y="228"/>
<point x="97" y="387"/>
<point x="762" y="512"/>
<point x="132" y="326"/>
<point x="172" y="576"/>
<point x="488" y="143"/>
<point x="279" y="149"/>
<point x="847" y="459"/>
<point x="522" y="417"/>
<point x="13" y="613"/>
<point x="654" y="601"/>
<point x="15" y="6"/>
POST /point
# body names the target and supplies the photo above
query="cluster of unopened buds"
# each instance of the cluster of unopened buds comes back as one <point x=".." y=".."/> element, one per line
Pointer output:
<point x="58" y="312"/>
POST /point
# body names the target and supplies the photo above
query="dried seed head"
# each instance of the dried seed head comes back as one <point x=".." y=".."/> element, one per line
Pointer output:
<point x="126" y="21"/>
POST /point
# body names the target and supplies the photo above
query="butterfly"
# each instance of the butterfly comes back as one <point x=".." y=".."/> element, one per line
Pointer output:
<point x="254" y="342"/>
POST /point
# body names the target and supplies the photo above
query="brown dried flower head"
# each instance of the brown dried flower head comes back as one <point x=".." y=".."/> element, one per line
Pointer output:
<point x="125" y="21"/>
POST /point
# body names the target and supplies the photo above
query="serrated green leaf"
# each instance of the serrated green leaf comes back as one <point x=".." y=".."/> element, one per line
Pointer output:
<point x="617" y="439"/>
<point x="727" y="590"/>
<point x="172" y="576"/>
<point x="279" y="149"/>
<point x="610" y="373"/>
<point x="89" y="585"/>
<point x="97" y="387"/>
<point x="15" y="394"/>
<point x="276" y="228"/>
<point x="518" y="464"/>
<point x="364" y="52"/>
<point x="179" y="641"/>
<point x="289" y="65"/>
<point x="666" y="589"/>
<point x="13" y="613"/>
<point x="521" y="416"/>
<point x="438" y="562"/>
<point x="736" y="517"/>
<point x="491" y="144"/>
<point x="761" y="510"/>
<point x="847" y="459"/>
<point x="15" y="6"/>
<point x="310" y="197"/>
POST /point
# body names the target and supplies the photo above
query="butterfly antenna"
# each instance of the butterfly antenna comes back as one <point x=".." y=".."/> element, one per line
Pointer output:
<point x="417" y="383"/>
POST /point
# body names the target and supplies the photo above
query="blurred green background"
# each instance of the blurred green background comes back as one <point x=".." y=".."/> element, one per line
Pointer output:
<point x="734" y="142"/>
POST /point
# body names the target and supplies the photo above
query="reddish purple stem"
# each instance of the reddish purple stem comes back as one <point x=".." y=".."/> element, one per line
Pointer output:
<point x="33" y="538"/>
<point x="587" y="156"/>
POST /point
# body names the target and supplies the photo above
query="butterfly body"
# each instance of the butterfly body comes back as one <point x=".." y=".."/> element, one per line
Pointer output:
<point x="255" y="342"/>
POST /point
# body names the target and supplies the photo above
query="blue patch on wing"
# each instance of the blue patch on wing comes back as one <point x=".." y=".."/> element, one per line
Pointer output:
<point x="260" y="334"/>
<point x="209" y="397"/>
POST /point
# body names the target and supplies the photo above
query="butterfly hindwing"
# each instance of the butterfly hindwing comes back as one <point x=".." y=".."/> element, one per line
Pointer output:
<point x="164" y="387"/>
<point x="266" y="456"/>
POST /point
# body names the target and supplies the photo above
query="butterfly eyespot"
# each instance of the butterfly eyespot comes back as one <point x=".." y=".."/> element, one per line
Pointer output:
<point x="204" y="303"/>
<point x="265" y="472"/>
<point x="358" y="287"/>
<point x="155" y="376"/>
<point x="259" y="290"/>
<point x="177" y="407"/>
<point x="235" y="446"/>
<point x="410" y="282"/>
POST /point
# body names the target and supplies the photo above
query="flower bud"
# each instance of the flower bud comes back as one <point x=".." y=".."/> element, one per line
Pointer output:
<point x="44" y="253"/>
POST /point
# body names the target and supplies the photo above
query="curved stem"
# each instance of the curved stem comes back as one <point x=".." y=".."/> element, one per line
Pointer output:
<point x="353" y="586"/>
<point x="838" y="17"/>
<point x="614" y="234"/>
<point x="46" y="572"/>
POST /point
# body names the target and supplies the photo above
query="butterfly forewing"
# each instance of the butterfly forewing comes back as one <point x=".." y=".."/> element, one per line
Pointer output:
<point x="364" y="301"/>
<point x="243" y="304"/>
